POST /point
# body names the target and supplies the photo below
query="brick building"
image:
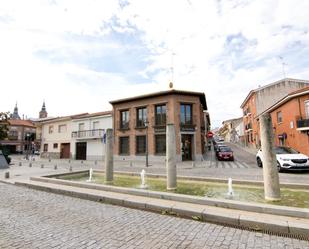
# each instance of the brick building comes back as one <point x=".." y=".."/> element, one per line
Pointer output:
<point x="140" y="125"/>
<point x="290" y="118"/>
<point x="262" y="98"/>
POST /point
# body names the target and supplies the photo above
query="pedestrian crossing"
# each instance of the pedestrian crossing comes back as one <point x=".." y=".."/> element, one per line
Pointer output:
<point x="227" y="165"/>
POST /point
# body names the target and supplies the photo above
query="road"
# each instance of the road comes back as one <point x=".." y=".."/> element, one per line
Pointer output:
<point x="35" y="219"/>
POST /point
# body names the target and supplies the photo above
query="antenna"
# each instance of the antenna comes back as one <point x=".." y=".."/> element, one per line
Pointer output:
<point x="172" y="70"/>
<point x="283" y="64"/>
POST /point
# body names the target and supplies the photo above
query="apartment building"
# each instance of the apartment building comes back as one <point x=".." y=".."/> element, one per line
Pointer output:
<point x="140" y="125"/>
<point x="262" y="98"/>
<point x="232" y="130"/>
<point x="290" y="118"/>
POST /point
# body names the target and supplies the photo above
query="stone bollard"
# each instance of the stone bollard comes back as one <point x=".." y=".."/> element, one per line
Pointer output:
<point x="270" y="172"/>
<point x="42" y="166"/>
<point x="7" y="175"/>
<point x="30" y="165"/>
<point x="81" y="161"/>
<point x="49" y="160"/>
<point x="20" y="164"/>
<point x="70" y="161"/>
<point x="55" y="167"/>
<point x="109" y="160"/>
<point x="171" y="183"/>
<point x="70" y="169"/>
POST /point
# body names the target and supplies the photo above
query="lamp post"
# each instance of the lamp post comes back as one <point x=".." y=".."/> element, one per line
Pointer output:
<point x="146" y="149"/>
<point x="27" y="142"/>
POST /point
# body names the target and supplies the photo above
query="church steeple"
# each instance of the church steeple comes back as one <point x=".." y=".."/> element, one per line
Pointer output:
<point x="15" y="114"/>
<point x="43" y="112"/>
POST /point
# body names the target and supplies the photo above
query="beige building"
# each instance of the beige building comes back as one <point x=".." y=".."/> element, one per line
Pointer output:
<point x="140" y="125"/>
<point x="78" y="136"/>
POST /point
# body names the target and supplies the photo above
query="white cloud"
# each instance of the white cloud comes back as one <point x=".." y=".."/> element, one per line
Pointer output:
<point x="223" y="48"/>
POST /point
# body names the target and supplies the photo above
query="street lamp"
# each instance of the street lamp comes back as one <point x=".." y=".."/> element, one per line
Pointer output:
<point x="146" y="149"/>
<point x="27" y="142"/>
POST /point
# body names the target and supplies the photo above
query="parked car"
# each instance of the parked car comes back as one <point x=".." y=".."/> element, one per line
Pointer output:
<point x="287" y="159"/>
<point x="225" y="153"/>
<point x="217" y="144"/>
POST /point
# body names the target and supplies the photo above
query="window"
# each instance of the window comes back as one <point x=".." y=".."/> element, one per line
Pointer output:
<point x="45" y="148"/>
<point x="50" y="129"/>
<point x="186" y="114"/>
<point x="124" y="145"/>
<point x="140" y="144"/>
<point x="95" y="125"/>
<point x="62" y="128"/>
<point x="124" y="120"/>
<point x="81" y="126"/>
<point x="279" y="117"/>
<point x="307" y="108"/>
<point x="141" y="117"/>
<point x="160" y="141"/>
<point x="160" y="112"/>
<point x="55" y="146"/>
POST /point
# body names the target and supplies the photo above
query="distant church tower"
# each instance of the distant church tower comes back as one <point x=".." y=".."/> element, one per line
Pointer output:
<point x="43" y="112"/>
<point x="15" y="114"/>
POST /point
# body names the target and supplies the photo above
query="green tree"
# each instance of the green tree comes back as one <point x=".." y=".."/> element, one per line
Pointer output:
<point x="4" y="116"/>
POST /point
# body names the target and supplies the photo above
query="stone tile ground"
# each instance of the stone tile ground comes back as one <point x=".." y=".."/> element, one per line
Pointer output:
<point x="35" y="219"/>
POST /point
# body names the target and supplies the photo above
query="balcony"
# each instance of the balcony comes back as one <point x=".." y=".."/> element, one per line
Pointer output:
<point x="88" y="134"/>
<point x="303" y="125"/>
<point x="248" y="127"/>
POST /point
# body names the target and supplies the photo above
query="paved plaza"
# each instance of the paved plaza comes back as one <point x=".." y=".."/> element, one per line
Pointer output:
<point x="35" y="219"/>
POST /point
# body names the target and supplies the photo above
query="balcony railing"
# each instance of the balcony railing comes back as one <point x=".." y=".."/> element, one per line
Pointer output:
<point x="303" y="124"/>
<point x="248" y="127"/>
<point x="88" y="134"/>
<point x="187" y="127"/>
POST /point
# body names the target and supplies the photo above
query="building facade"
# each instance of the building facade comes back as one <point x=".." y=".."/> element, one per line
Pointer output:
<point x="78" y="136"/>
<point x="88" y="134"/>
<point x="232" y="130"/>
<point x="140" y="125"/>
<point x="290" y="118"/>
<point x="262" y="98"/>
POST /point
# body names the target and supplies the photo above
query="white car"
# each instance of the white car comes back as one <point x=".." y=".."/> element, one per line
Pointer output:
<point x="287" y="159"/>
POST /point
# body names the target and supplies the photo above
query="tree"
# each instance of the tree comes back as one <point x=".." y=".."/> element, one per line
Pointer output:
<point x="4" y="116"/>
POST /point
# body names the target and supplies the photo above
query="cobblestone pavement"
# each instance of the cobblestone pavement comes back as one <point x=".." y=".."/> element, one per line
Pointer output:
<point x="35" y="219"/>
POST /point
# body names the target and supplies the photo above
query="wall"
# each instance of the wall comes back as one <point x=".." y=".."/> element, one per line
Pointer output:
<point x="173" y="116"/>
<point x="291" y="111"/>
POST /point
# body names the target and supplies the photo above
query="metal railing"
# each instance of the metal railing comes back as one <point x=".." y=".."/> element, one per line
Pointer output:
<point x="98" y="133"/>
<point x="303" y="123"/>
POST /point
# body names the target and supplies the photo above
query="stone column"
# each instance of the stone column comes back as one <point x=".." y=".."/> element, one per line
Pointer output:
<point x="171" y="183"/>
<point x="270" y="172"/>
<point x="109" y="161"/>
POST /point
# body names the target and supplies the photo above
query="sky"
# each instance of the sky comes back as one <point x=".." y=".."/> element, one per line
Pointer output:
<point x="77" y="55"/>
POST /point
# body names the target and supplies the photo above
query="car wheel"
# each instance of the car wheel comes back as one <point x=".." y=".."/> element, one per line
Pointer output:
<point x="279" y="167"/>
<point x="259" y="162"/>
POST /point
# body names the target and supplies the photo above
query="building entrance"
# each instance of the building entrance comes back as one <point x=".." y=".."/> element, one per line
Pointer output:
<point x="186" y="147"/>
<point x="81" y="151"/>
<point x="65" y="150"/>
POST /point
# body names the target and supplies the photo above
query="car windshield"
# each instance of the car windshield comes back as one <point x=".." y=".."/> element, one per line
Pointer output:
<point x="285" y="150"/>
<point x="225" y="149"/>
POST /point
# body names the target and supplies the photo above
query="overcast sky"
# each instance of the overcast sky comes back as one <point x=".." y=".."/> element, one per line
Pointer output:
<point x="77" y="55"/>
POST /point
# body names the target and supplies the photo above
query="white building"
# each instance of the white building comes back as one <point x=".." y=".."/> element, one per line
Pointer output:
<point x="88" y="135"/>
<point x="78" y="136"/>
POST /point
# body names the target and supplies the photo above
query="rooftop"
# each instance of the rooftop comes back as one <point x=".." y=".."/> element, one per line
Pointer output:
<point x="201" y="95"/>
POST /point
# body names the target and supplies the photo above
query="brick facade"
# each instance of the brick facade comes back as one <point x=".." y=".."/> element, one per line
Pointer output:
<point x="172" y="100"/>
